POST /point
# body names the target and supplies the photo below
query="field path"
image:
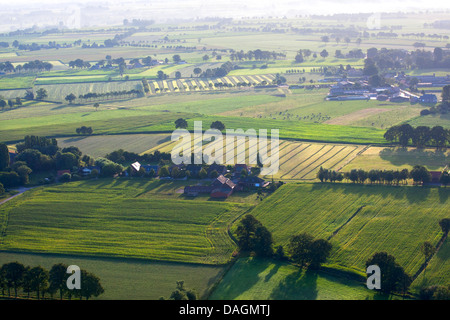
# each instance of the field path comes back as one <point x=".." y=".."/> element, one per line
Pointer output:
<point x="20" y="190"/>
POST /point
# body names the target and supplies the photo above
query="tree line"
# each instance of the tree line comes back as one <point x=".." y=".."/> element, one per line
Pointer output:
<point x="257" y="54"/>
<point x="419" y="174"/>
<point x="419" y="137"/>
<point x="386" y="59"/>
<point x="39" y="282"/>
<point x="32" y="66"/>
<point x="104" y="95"/>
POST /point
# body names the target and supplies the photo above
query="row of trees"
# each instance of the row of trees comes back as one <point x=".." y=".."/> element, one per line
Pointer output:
<point x="419" y="174"/>
<point x="41" y="94"/>
<point x="32" y="66"/>
<point x="84" y="130"/>
<point x="420" y="136"/>
<point x="256" y="55"/>
<point x="11" y="102"/>
<point x="15" y="276"/>
<point x="104" y="95"/>
<point x="386" y="59"/>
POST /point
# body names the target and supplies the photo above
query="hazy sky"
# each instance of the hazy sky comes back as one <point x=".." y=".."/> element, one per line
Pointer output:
<point x="21" y="14"/>
<point x="269" y="6"/>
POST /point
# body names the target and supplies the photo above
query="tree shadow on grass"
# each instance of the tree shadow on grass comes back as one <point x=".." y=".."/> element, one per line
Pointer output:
<point x="73" y="139"/>
<point x="402" y="156"/>
<point x="244" y="275"/>
<point x="443" y="194"/>
<point x="299" y="285"/>
<point x="272" y="272"/>
<point x="413" y="194"/>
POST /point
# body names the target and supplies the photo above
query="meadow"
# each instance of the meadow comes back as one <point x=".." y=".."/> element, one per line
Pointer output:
<point x="108" y="217"/>
<point x="258" y="279"/>
<point x="392" y="219"/>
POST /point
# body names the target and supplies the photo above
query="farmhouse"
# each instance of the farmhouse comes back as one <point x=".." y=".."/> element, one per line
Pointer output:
<point x="221" y="169"/>
<point x="435" y="177"/>
<point x="238" y="169"/>
<point x="136" y="166"/>
<point x="59" y="173"/>
<point x="399" y="98"/>
<point x="252" y="182"/>
<point x="85" y="171"/>
<point x="428" y="98"/>
<point x="149" y="168"/>
<point x="221" y="187"/>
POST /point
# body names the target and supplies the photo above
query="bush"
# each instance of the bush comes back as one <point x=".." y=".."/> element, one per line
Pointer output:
<point x="2" y="189"/>
<point x="10" y="179"/>
<point x="66" y="177"/>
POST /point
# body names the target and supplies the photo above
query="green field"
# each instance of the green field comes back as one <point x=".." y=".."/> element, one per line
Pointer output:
<point x="129" y="279"/>
<point x="257" y="279"/>
<point x="99" y="146"/>
<point x="393" y="219"/>
<point x="112" y="218"/>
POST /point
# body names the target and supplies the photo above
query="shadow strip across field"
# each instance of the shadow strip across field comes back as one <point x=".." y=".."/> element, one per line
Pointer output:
<point x="345" y="223"/>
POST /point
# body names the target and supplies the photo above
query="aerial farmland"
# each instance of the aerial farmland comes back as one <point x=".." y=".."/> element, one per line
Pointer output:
<point x="353" y="122"/>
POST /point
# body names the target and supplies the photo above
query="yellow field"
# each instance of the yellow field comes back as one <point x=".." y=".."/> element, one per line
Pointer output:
<point x="297" y="160"/>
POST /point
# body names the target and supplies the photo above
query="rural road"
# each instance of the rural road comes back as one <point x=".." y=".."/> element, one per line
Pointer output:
<point x="20" y="190"/>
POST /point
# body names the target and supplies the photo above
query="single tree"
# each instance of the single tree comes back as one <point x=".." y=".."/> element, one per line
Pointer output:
<point x="41" y="94"/>
<point x="299" y="248"/>
<point x="57" y="279"/>
<point x="70" y="98"/>
<point x="181" y="123"/>
<point x="4" y="157"/>
<point x="217" y="125"/>
<point x="14" y="273"/>
<point x="427" y="250"/>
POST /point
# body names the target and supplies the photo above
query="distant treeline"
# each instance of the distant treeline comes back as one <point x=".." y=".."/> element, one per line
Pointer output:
<point x="386" y="59"/>
<point x="256" y="55"/>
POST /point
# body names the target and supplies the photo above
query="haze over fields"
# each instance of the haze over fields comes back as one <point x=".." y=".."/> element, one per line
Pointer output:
<point x="83" y="13"/>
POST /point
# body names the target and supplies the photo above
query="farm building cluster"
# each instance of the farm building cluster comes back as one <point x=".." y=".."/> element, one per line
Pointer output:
<point x="361" y="90"/>
<point x="225" y="179"/>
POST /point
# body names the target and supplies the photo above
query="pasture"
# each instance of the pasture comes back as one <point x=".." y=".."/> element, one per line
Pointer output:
<point x="258" y="279"/>
<point x="392" y="219"/>
<point x="107" y="217"/>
